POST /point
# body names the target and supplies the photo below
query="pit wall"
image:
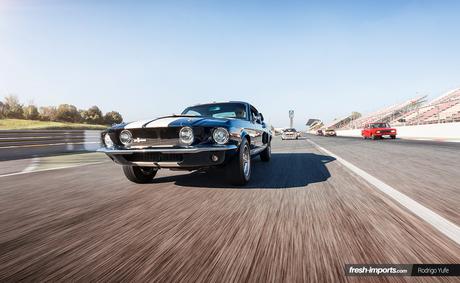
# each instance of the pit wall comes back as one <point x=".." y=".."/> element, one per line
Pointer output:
<point x="437" y="132"/>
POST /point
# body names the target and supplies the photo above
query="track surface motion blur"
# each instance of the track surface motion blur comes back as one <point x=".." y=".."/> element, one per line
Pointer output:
<point x="301" y="219"/>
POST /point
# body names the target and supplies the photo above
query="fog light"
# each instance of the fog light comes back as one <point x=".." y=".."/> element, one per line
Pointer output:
<point x="214" y="158"/>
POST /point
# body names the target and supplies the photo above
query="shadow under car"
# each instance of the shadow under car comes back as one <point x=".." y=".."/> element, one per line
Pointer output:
<point x="285" y="170"/>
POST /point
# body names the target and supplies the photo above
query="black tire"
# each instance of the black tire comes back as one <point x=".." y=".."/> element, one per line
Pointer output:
<point x="140" y="175"/>
<point x="266" y="155"/>
<point x="393" y="137"/>
<point x="239" y="169"/>
<point x="374" y="137"/>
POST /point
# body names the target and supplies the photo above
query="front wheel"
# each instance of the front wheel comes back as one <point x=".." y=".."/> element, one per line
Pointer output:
<point x="266" y="155"/>
<point x="239" y="169"/>
<point x="140" y="175"/>
<point x="393" y="137"/>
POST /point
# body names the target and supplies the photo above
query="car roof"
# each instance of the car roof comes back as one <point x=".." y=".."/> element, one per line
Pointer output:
<point x="220" y="102"/>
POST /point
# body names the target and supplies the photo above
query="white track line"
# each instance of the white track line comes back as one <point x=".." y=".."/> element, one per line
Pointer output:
<point x="437" y="221"/>
<point x="33" y="164"/>
<point x="49" y="169"/>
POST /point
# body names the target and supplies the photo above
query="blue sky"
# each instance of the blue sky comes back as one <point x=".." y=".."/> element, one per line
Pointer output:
<point x="323" y="59"/>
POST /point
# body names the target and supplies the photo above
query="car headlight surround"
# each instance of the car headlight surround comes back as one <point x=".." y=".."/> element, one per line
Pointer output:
<point x="126" y="137"/>
<point x="220" y="135"/>
<point x="377" y="132"/>
<point x="393" y="131"/>
<point x="186" y="136"/>
<point x="108" y="141"/>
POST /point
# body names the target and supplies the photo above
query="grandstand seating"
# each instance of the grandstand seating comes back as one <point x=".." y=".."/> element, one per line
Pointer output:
<point x="388" y="114"/>
<point x="443" y="109"/>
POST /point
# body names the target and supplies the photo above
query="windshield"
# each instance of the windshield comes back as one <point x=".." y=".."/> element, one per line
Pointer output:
<point x="218" y="110"/>
<point x="290" y="130"/>
<point x="380" y="125"/>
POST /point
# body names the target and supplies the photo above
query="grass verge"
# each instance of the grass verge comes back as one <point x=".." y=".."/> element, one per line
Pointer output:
<point x="20" y="124"/>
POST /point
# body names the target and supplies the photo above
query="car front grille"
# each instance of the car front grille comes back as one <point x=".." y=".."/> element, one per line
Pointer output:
<point x="155" y="137"/>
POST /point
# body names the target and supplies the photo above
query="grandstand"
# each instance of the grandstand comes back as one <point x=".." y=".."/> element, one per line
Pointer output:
<point x="443" y="109"/>
<point x="315" y="125"/>
<point x="389" y="114"/>
<point x="343" y="122"/>
<point x="416" y="111"/>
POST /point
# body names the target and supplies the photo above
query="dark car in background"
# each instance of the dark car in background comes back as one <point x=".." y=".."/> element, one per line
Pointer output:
<point x="224" y="135"/>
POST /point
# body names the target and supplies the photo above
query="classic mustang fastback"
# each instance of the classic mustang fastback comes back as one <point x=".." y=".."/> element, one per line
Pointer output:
<point x="224" y="135"/>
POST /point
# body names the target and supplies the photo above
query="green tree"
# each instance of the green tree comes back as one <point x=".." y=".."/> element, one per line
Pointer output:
<point x="48" y="113"/>
<point x="2" y="110"/>
<point x="31" y="112"/>
<point x="93" y="115"/>
<point x="113" y="117"/>
<point x="67" y="113"/>
<point x="13" y="109"/>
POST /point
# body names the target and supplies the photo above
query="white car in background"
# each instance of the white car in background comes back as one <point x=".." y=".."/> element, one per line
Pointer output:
<point x="290" y="134"/>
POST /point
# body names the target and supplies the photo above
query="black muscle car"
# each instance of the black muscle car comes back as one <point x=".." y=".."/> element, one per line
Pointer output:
<point x="224" y="135"/>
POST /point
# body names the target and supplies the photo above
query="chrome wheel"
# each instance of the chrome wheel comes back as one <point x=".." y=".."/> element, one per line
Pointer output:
<point x="246" y="161"/>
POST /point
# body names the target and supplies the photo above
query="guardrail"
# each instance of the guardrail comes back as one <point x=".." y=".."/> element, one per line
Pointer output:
<point x="16" y="144"/>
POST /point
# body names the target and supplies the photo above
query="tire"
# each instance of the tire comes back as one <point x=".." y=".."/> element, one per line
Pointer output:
<point x="239" y="169"/>
<point x="374" y="137"/>
<point x="266" y="155"/>
<point x="393" y="137"/>
<point x="139" y="175"/>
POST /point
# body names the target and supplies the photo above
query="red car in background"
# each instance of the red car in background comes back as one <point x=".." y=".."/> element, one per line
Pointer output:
<point x="377" y="131"/>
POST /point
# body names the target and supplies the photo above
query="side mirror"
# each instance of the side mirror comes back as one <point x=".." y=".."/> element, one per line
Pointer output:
<point x="261" y="117"/>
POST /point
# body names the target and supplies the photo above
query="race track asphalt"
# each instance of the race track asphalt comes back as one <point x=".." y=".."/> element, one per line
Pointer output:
<point x="301" y="219"/>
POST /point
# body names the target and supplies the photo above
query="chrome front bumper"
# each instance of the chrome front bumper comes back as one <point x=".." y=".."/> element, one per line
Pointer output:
<point x="191" y="157"/>
<point x="169" y="149"/>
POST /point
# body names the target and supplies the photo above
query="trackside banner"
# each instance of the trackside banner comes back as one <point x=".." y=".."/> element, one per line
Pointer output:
<point x="402" y="269"/>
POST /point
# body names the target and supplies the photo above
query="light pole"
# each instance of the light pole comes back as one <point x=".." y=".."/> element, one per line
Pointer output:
<point x="291" y="118"/>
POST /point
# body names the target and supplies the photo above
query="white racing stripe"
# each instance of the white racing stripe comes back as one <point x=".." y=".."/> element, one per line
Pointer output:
<point x="137" y="124"/>
<point x="161" y="123"/>
<point x="158" y="123"/>
<point x="437" y="221"/>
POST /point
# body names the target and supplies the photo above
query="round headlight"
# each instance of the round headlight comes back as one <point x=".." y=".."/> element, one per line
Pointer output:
<point x="186" y="136"/>
<point x="108" y="141"/>
<point x="220" y="135"/>
<point x="126" y="137"/>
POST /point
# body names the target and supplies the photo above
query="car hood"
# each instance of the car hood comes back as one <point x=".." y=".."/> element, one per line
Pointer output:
<point x="178" y="121"/>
